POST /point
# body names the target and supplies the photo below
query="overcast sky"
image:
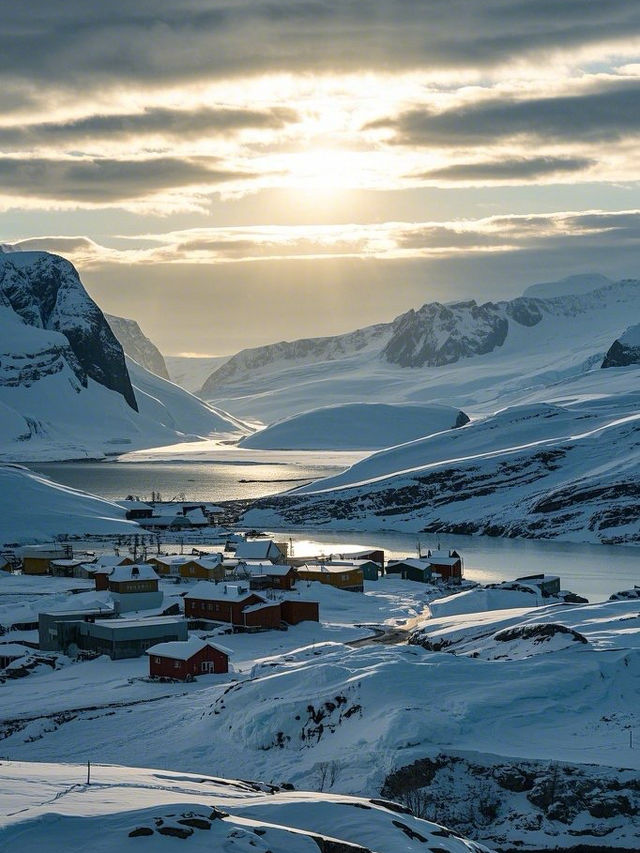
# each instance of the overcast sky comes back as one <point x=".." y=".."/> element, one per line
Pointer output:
<point x="240" y="172"/>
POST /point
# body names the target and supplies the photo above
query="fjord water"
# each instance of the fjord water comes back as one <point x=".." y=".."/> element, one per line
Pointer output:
<point x="594" y="571"/>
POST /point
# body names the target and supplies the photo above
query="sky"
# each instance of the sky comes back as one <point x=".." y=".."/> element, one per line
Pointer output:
<point x="236" y="173"/>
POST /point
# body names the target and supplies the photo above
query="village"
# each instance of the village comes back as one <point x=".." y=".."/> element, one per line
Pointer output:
<point x="143" y="601"/>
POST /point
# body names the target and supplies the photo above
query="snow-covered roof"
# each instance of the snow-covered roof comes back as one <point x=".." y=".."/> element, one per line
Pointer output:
<point x="196" y="516"/>
<point x="62" y="564"/>
<point x="256" y="549"/>
<point x="256" y="567"/>
<point x="208" y="591"/>
<point x="327" y="568"/>
<point x="442" y="558"/>
<point x="107" y="561"/>
<point x="133" y="622"/>
<point x="172" y="559"/>
<point x="134" y="505"/>
<point x="413" y="562"/>
<point x="208" y="562"/>
<point x="262" y="605"/>
<point x="13" y="650"/>
<point x="141" y="572"/>
<point x="183" y="650"/>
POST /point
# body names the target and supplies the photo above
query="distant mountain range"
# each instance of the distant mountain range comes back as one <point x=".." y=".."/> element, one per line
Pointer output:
<point x="476" y="357"/>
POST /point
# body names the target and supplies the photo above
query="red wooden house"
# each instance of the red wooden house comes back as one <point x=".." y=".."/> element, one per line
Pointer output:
<point x="294" y="611"/>
<point x="187" y="659"/>
<point x="225" y="602"/>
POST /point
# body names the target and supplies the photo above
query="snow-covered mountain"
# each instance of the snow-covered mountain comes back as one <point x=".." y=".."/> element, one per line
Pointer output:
<point x="360" y="426"/>
<point x="34" y="508"/>
<point x="137" y="345"/>
<point x="476" y="357"/>
<point x="535" y="471"/>
<point x="45" y="291"/>
<point x="126" y="809"/>
<point x="66" y="390"/>
<point x="625" y="350"/>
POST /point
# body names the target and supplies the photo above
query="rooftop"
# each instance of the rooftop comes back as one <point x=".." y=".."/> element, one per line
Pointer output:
<point x="184" y="650"/>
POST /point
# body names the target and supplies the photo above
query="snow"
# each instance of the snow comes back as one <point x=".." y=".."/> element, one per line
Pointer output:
<point x="55" y="807"/>
<point x="34" y="508"/>
<point x="354" y="426"/>
<point x="631" y="337"/>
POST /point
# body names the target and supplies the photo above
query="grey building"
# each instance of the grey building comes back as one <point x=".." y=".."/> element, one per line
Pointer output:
<point x="118" y="638"/>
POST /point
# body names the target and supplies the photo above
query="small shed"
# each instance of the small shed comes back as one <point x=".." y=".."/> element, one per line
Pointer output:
<point x="260" y="549"/>
<point x="343" y="577"/>
<point x="411" y="568"/>
<point x="448" y="564"/>
<point x="203" y="568"/>
<point x="294" y="610"/>
<point x="265" y="575"/>
<point x="547" y="584"/>
<point x="263" y="615"/>
<point x="183" y="660"/>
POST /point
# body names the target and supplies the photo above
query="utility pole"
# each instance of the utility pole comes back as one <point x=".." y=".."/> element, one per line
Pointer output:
<point x="88" y="772"/>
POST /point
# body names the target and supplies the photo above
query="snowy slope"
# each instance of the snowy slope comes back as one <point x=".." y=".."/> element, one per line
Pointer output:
<point x="33" y="508"/>
<point x="356" y="426"/>
<point x="190" y="372"/>
<point x="332" y="717"/>
<point x="50" y="807"/>
<point x="540" y="471"/>
<point x="137" y="345"/>
<point x="546" y="341"/>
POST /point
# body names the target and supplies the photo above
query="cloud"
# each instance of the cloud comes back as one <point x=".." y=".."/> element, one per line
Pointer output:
<point x="108" y="181"/>
<point x="160" y="40"/>
<point x="380" y="241"/>
<point x="606" y="115"/>
<point x="516" y="169"/>
<point x="168" y="123"/>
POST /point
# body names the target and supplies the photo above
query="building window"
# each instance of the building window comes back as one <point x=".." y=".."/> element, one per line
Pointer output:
<point x="176" y="664"/>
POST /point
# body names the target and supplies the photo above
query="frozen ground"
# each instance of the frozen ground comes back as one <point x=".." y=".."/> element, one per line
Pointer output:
<point x="50" y="807"/>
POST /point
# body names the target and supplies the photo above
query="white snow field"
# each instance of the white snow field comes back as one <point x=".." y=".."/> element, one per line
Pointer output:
<point x="355" y="426"/>
<point x="34" y="509"/>
<point x="51" y="807"/>
<point x="191" y="371"/>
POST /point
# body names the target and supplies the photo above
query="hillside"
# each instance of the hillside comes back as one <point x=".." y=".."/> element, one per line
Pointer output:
<point x="137" y="345"/>
<point x="538" y="471"/>
<point x="49" y="807"/>
<point x="34" y="508"/>
<point x="437" y="731"/>
<point x="355" y="426"/>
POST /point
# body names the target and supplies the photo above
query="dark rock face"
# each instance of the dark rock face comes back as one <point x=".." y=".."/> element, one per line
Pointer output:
<point x="509" y="803"/>
<point x="137" y="345"/>
<point x="442" y="334"/>
<point x="45" y="291"/>
<point x="620" y="355"/>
